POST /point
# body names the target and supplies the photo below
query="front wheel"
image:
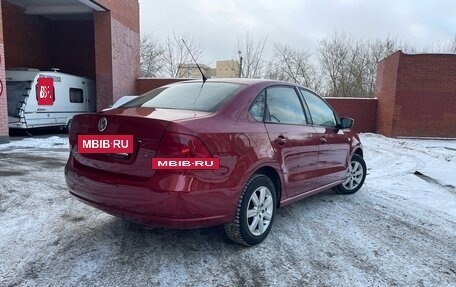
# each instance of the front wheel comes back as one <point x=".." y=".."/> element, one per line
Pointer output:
<point x="356" y="174"/>
<point x="254" y="213"/>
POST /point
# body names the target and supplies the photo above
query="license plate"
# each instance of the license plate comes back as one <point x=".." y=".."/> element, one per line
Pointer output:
<point x="116" y="144"/>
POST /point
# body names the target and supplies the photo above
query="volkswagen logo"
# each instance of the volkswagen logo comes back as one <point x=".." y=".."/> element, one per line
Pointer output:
<point x="102" y="124"/>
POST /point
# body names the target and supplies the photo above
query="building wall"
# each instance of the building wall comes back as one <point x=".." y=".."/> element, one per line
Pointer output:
<point x="105" y="48"/>
<point x="191" y="71"/>
<point x="103" y="59"/>
<point x="146" y="84"/>
<point x="28" y="38"/>
<point x="426" y="96"/>
<point x="125" y="52"/>
<point x="417" y="95"/>
<point x="385" y="91"/>
<point x="3" y="109"/>
<point x="35" y="42"/>
<point x="362" y="110"/>
<point x="125" y="11"/>
<point x="116" y="50"/>
<point x="227" y="69"/>
<point x="223" y="69"/>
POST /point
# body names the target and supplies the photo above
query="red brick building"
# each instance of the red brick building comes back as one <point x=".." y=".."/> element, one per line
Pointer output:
<point x="98" y="39"/>
<point x="417" y="95"/>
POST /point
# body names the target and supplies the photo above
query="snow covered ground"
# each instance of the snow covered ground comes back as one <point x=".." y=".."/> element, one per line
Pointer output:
<point x="399" y="229"/>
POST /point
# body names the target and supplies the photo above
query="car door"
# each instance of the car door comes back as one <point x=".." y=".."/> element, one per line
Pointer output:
<point x="333" y="145"/>
<point x="295" y="143"/>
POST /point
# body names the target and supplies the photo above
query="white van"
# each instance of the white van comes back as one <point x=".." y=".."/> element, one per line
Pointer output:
<point x="71" y="95"/>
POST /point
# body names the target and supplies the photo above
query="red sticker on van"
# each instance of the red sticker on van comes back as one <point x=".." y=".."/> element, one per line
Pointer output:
<point x="45" y="91"/>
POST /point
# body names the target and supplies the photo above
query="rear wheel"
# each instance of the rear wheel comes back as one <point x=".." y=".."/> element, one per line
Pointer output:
<point x="356" y="174"/>
<point x="254" y="213"/>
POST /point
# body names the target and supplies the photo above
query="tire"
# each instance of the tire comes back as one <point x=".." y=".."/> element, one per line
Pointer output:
<point x="356" y="174"/>
<point x="254" y="216"/>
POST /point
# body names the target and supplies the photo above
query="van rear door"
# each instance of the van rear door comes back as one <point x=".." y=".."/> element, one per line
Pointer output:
<point x="17" y="96"/>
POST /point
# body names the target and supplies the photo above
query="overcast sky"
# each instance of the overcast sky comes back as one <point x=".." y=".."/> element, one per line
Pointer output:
<point x="217" y="24"/>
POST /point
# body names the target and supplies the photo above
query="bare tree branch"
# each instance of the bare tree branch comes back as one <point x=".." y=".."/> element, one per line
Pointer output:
<point x="293" y="65"/>
<point x="252" y="56"/>
<point x="176" y="54"/>
<point x="449" y="46"/>
<point x="151" y="56"/>
<point x="349" y="66"/>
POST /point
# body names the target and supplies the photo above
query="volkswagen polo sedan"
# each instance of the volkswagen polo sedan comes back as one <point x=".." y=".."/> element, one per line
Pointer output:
<point x="222" y="152"/>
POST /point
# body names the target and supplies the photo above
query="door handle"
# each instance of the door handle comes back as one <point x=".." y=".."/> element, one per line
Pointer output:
<point x="281" y="140"/>
<point x="323" y="140"/>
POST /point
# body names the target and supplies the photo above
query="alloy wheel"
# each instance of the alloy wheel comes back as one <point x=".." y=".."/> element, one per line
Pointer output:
<point x="260" y="210"/>
<point x="355" y="174"/>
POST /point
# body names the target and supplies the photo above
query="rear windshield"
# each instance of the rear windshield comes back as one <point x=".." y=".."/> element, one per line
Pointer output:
<point x="187" y="96"/>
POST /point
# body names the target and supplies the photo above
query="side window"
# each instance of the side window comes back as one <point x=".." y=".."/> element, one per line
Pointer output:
<point x="283" y="106"/>
<point x="257" y="108"/>
<point x="320" y="112"/>
<point x="76" y="95"/>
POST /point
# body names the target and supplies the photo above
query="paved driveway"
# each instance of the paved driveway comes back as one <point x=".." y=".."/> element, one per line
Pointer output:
<point x="399" y="229"/>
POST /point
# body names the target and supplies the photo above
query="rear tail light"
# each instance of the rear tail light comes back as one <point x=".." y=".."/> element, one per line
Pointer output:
<point x="175" y="145"/>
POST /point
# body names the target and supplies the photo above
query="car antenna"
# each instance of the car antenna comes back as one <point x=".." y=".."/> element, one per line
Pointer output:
<point x="202" y="74"/>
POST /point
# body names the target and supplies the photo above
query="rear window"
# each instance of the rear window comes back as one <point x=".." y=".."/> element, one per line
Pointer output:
<point x="187" y="96"/>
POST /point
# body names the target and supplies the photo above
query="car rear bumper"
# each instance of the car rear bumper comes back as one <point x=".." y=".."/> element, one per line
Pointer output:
<point x="167" y="200"/>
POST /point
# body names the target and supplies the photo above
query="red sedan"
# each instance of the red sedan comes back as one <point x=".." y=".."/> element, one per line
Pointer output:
<point x="223" y="152"/>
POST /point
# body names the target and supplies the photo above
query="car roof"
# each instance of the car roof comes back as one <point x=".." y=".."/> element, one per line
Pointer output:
<point x="245" y="81"/>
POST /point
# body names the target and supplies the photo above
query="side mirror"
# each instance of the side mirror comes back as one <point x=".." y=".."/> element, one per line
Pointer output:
<point x="346" y="123"/>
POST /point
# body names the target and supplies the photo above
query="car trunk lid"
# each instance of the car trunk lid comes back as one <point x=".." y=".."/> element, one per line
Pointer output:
<point x="146" y="125"/>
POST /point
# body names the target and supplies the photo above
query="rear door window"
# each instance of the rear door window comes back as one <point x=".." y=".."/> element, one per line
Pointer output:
<point x="283" y="106"/>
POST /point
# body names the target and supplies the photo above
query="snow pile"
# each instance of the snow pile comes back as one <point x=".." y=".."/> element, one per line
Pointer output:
<point x="398" y="230"/>
<point x="434" y="158"/>
<point x="53" y="142"/>
<point x="416" y="170"/>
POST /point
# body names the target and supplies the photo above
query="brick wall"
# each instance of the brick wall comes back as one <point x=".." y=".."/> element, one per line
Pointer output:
<point x="146" y="84"/>
<point x="125" y="11"/>
<point x="36" y="42"/>
<point x="116" y="50"/>
<point x="426" y="96"/>
<point x="27" y="38"/>
<point x="106" y="49"/>
<point x="417" y="95"/>
<point x="362" y="110"/>
<point x="103" y="58"/>
<point x="125" y="53"/>
<point x="3" y="109"/>
<point x="385" y="91"/>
